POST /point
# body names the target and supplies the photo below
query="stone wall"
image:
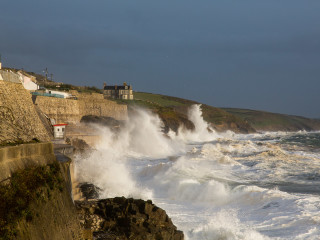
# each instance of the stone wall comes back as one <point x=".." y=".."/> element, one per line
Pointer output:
<point x="62" y="110"/>
<point x="71" y="111"/>
<point x="9" y="76"/>
<point x="19" y="120"/>
<point x="13" y="158"/>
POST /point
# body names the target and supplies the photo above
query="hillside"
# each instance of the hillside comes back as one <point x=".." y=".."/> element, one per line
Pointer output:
<point x="266" y="121"/>
<point x="173" y="111"/>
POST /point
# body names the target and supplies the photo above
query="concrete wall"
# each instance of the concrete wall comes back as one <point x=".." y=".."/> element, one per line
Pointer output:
<point x="13" y="158"/>
<point x="9" y="76"/>
<point x="71" y="111"/>
<point x="19" y="120"/>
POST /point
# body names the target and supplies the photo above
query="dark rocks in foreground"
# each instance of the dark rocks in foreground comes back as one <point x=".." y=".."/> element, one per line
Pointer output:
<point x="122" y="218"/>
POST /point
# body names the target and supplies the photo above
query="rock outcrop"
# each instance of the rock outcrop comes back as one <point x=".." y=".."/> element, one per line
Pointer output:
<point x="122" y="218"/>
<point x="104" y="121"/>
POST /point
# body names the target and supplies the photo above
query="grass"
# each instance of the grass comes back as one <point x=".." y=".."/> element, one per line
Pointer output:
<point x="162" y="100"/>
<point x="173" y="106"/>
<point x="273" y="121"/>
<point x="68" y="87"/>
<point x="25" y="187"/>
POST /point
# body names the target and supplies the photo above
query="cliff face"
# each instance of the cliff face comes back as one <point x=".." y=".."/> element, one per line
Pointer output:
<point x="19" y="121"/>
<point x="37" y="205"/>
<point x="71" y="111"/>
<point x="266" y="121"/>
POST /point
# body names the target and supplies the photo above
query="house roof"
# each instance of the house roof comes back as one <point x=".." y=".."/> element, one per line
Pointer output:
<point x="121" y="87"/>
<point x="61" y="124"/>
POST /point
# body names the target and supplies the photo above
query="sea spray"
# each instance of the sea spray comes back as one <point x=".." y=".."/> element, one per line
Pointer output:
<point x="213" y="186"/>
<point x="202" y="132"/>
<point x="141" y="136"/>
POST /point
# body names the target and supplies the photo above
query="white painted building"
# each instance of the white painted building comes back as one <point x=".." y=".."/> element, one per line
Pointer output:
<point x="64" y="94"/>
<point x="59" y="130"/>
<point x="28" y="82"/>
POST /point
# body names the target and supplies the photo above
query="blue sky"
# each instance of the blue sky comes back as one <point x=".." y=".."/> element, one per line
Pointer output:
<point x="248" y="54"/>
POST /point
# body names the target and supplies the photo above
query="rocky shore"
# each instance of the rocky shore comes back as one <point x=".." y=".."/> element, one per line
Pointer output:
<point x="121" y="218"/>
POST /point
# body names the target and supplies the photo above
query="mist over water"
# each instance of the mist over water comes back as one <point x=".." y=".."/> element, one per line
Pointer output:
<point x="213" y="185"/>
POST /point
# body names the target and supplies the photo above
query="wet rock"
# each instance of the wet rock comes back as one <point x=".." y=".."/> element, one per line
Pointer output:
<point x="122" y="218"/>
<point x="89" y="191"/>
<point x="105" y="121"/>
<point x="79" y="144"/>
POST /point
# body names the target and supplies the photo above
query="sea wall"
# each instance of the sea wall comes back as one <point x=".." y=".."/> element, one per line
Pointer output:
<point x="19" y="120"/>
<point x="71" y="110"/>
<point x="14" y="158"/>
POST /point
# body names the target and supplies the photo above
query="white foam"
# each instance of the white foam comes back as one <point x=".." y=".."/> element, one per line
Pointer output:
<point x="214" y="188"/>
<point x="202" y="132"/>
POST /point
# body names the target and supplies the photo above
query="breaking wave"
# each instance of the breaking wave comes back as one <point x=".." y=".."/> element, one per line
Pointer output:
<point x="213" y="185"/>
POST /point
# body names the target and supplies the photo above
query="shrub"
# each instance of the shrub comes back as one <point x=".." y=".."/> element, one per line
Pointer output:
<point x="24" y="187"/>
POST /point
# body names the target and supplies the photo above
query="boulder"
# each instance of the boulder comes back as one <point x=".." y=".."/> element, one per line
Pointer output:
<point x="122" y="218"/>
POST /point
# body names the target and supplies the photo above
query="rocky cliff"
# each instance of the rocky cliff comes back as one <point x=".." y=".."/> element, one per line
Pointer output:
<point x="122" y="218"/>
<point x="19" y="120"/>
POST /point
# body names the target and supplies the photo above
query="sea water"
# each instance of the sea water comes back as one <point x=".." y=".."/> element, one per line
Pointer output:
<point x="213" y="186"/>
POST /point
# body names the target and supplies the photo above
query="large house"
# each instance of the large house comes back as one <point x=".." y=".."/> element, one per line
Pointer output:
<point x="118" y="92"/>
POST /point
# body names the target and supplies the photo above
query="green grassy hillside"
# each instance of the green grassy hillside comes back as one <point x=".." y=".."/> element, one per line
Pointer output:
<point x="267" y="121"/>
<point x="173" y="111"/>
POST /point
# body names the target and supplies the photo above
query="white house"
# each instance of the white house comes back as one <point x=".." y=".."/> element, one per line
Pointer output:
<point x="59" y="130"/>
<point x="28" y="82"/>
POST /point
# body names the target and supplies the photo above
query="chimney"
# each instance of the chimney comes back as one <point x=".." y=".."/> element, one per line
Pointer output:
<point x="125" y="84"/>
<point x="0" y="63"/>
<point x="115" y="87"/>
<point x="104" y="85"/>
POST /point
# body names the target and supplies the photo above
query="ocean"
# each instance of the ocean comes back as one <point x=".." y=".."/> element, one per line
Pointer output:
<point x="213" y="185"/>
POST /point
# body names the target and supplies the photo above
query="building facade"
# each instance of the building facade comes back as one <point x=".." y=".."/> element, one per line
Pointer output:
<point x="29" y="82"/>
<point x="118" y="92"/>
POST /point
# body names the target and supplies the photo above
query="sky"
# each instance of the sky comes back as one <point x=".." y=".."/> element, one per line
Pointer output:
<point x="252" y="54"/>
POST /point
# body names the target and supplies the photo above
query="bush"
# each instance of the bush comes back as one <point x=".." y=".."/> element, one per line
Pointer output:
<point x="24" y="187"/>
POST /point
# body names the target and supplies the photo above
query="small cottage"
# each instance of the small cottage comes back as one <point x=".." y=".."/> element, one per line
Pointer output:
<point x="59" y="130"/>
